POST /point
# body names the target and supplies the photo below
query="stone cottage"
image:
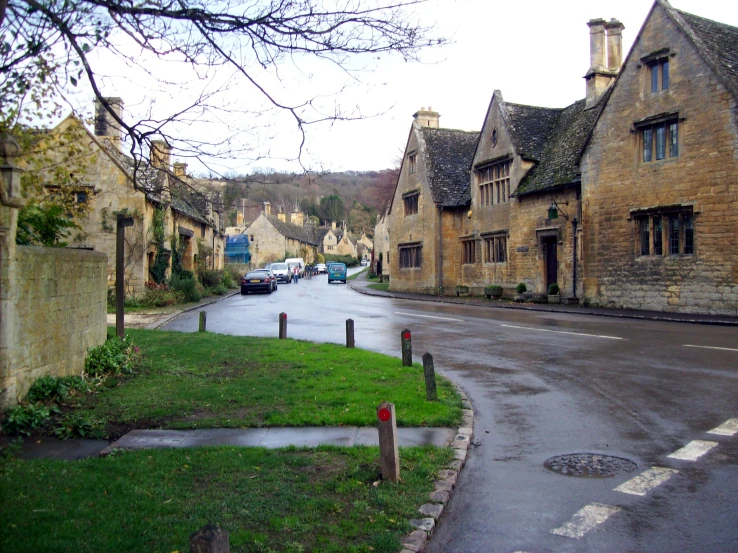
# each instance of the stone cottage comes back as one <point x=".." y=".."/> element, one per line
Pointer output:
<point x="273" y="238"/>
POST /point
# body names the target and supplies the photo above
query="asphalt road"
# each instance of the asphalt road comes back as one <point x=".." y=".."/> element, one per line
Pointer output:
<point x="545" y="385"/>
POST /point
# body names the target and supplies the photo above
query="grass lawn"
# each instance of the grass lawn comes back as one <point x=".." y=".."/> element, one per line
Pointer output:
<point x="204" y="380"/>
<point x="289" y="500"/>
<point x="383" y="286"/>
<point x="356" y="274"/>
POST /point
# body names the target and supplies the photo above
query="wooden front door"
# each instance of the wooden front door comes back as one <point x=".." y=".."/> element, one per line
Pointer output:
<point x="550" y="249"/>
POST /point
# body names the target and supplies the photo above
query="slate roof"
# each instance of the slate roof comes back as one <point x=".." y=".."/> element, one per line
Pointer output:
<point x="558" y="161"/>
<point x="449" y="155"/>
<point x="293" y="231"/>
<point x="717" y="42"/>
<point x="528" y="127"/>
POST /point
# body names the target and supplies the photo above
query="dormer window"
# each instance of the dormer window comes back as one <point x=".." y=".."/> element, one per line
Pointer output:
<point x="494" y="183"/>
<point x="411" y="162"/>
<point x="411" y="203"/>
<point x="659" y="74"/>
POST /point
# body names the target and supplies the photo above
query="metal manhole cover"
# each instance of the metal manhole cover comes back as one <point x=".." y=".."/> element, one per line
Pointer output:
<point x="589" y="465"/>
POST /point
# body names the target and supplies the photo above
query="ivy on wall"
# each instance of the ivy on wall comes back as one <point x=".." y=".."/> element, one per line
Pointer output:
<point x="159" y="269"/>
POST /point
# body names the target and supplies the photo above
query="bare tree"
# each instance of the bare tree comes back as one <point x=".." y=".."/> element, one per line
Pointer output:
<point x="49" y="46"/>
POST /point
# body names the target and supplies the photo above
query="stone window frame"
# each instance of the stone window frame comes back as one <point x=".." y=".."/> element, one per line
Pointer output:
<point x="468" y="251"/>
<point x="658" y="77"/>
<point x="493" y="180"/>
<point x="494" y="247"/>
<point x="648" y="130"/>
<point x="410" y="255"/>
<point x="411" y="201"/>
<point x="664" y="231"/>
<point x="412" y="162"/>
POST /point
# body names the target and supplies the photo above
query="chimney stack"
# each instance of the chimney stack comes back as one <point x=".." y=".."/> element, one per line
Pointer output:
<point x="105" y="125"/>
<point x="180" y="169"/>
<point x="427" y="117"/>
<point x="297" y="218"/>
<point x="160" y="154"/>
<point x="605" y="55"/>
<point x="282" y="216"/>
<point x="267" y="208"/>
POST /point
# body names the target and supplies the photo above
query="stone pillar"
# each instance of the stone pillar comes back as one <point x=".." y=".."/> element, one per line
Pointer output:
<point x="10" y="202"/>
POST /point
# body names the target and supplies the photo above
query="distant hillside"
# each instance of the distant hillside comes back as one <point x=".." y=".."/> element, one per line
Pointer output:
<point x="362" y="194"/>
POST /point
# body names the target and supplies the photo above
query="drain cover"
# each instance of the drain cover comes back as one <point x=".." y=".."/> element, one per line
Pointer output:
<point x="589" y="465"/>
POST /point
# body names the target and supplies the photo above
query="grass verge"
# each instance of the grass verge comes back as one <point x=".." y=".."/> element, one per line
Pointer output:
<point x="289" y="500"/>
<point x="383" y="286"/>
<point x="205" y="380"/>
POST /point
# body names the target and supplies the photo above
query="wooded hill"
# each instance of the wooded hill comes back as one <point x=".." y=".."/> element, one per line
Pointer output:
<point x="355" y="197"/>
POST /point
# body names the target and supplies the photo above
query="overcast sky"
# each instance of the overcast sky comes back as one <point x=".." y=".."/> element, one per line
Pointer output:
<point x="536" y="52"/>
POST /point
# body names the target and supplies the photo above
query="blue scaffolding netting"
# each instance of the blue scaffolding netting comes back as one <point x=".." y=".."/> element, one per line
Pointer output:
<point x="237" y="249"/>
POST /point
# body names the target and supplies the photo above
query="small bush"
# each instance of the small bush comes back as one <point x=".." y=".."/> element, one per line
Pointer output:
<point x="210" y="279"/>
<point x="76" y="426"/>
<point x="349" y="260"/>
<point x="219" y="290"/>
<point x="228" y="280"/>
<point x="23" y="419"/>
<point x="493" y="290"/>
<point x="521" y="288"/>
<point x="56" y="388"/>
<point x="115" y="356"/>
<point x="553" y="289"/>
<point x="187" y="286"/>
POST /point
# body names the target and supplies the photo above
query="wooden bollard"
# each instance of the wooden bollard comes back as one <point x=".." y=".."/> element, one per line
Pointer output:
<point x="349" y="333"/>
<point x="389" y="456"/>
<point x="203" y="321"/>
<point x="210" y="539"/>
<point x="282" y="326"/>
<point x="407" y="348"/>
<point x="430" y="378"/>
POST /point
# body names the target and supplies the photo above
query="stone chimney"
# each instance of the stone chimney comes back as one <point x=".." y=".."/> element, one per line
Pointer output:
<point x="297" y="218"/>
<point x="160" y="154"/>
<point x="239" y="220"/>
<point x="267" y="208"/>
<point x="427" y="117"/>
<point x="605" y="55"/>
<point x="333" y="225"/>
<point x="105" y="125"/>
<point x="180" y="169"/>
<point x="282" y="216"/>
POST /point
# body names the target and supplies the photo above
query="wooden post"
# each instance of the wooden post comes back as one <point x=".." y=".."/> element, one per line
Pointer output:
<point x="389" y="456"/>
<point x="407" y="348"/>
<point x="430" y="378"/>
<point x="210" y="539"/>
<point x="203" y="321"/>
<point x="120" y="294"/>
<point x="349" y="333"/>
<point x="282" y="326"/>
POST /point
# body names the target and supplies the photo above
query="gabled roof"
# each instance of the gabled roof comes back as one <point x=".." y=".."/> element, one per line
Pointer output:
<point x="290" y="230"/>
<point x="716" y="42"/>
<point x="449" y="155"/>
<point x="562" y="147"/>
<point x="529" y="126"/>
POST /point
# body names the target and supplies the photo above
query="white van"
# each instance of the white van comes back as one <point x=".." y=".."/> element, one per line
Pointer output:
<point x="300" y="261"/>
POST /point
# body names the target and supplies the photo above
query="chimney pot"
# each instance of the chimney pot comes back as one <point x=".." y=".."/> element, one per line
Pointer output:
<point x="160" y="154"/>
<point x="105" y="124"/>
<point x="427" y="118"/>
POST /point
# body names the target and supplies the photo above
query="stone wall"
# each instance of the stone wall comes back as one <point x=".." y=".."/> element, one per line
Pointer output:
<point x="268" y="244"/>
<point x="703" y="178"/>
<point x="59" y="313"/>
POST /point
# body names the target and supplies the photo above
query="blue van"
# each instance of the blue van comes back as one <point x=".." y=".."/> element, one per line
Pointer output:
<point x="337" y="271"/>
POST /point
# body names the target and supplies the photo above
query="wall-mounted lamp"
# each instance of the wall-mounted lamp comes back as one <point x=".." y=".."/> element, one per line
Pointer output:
<point x="554" y="210"/>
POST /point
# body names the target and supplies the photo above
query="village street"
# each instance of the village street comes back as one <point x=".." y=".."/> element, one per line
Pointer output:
<point x="545" y="385"/>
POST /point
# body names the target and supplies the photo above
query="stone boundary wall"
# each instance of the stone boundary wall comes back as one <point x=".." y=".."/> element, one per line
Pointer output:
<point x="57" y="312"/>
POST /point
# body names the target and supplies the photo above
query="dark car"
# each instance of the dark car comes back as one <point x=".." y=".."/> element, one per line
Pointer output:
<point x="260" y="280"/>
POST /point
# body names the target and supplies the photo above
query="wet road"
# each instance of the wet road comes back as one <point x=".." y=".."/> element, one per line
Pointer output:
<point x="548" y="384"/>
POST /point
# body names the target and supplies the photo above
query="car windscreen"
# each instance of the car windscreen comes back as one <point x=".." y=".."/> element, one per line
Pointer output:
<point x="279" y="266"/>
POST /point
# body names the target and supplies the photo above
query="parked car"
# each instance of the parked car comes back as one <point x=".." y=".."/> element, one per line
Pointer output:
<point x="260" y="280"/>
<point x="320" y="268"/>
<point x="365" y="262"/>
<point x="337" y="272"/>
<point x="281" y="271"/>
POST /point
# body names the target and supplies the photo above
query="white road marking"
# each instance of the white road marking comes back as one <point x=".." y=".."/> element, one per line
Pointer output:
<point x="429" y="317"/>
<point x="646" y="481"/>
<point x="709" y="347"/>
<point x="693" y="450"/>
<point x="564" y="332"/>
<point x="728" y="428"/>
<point x="585" y="519"/>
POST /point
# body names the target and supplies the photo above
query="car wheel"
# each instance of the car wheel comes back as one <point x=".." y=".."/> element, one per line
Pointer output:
<point x="244" y="292"/>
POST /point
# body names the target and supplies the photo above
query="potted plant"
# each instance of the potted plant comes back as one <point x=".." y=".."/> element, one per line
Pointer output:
<point x="520" y="290"/>
<point x="493" y="291"/>
<point x="461" y="289"/>
<point x="554" y="295"/>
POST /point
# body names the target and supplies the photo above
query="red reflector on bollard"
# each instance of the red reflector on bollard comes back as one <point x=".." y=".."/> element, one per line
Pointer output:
<point x="407" y="336"/>
<point x="384" y="415"/>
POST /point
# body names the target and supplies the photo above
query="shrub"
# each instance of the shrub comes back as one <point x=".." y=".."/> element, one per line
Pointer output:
<point x="553" y="289"/>
<point x="493" y="290"/>
<point x="521" y="288"/>
<point x="114" y="356"/>
<point x="219" y="290"/>
<point x="52" y="388"/>
<point x="210" y="279"/>
<point x="76" y="426"/>
<point x="228" y="280"/>
<point x="25" y="418"/>
<point x="187" y="286"/>
<point x="349" y="260"/>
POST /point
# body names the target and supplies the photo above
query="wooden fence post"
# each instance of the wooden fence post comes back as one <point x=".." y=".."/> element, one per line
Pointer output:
<point x="282" y="326"/>
<point x="407" y="348"/>
<point x="210" y="539"/>
<point x="389" y="456"/>
<point x="430" y="378"/>
<point x="203" y="321"/>
<point x="349" y="333"/>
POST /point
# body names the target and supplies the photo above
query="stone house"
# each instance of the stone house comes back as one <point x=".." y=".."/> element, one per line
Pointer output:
<point x="381" y="244"/>
<point x="109" y="188"/>
<point x="273" y="238"/>
<point x="346" y="245"/>
<point x="328" y="238"/>
<point x="431" y="195"/>
<point x="660" y="172"/>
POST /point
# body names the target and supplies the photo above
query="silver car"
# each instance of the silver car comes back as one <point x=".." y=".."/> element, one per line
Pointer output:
<point x="281" y="271"/>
